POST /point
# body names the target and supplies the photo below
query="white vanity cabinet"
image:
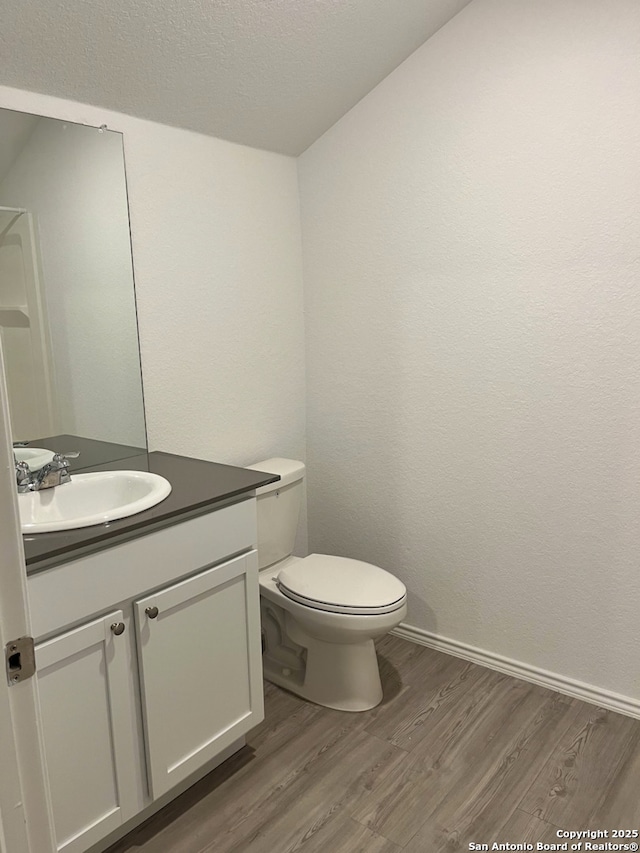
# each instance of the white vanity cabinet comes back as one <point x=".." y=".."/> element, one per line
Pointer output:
<point x="84" y="693"/>
<point x="200" y="668"/>
<point x="149" y="669"/>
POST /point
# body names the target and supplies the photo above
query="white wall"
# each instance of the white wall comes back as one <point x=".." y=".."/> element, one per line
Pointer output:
<point x="217" y="260"/>
<point x="470" y="235"/>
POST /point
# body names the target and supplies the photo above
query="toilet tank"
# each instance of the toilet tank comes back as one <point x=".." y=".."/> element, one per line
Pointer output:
<point x="278" y="509"/>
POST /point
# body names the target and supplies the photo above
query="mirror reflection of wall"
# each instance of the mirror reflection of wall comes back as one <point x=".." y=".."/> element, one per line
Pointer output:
<point x="23" y="328"/>
<point x="67" y="306"/>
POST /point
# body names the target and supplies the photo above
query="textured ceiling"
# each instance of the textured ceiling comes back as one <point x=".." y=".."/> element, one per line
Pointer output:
<point x="272" y="74"/>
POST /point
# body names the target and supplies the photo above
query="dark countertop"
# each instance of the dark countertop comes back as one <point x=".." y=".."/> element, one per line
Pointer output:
<point x="197" y="486"/>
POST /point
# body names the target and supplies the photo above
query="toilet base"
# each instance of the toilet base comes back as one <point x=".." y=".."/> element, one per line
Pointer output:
<point x="343" y="677"/>
<point x="327" y="658"/>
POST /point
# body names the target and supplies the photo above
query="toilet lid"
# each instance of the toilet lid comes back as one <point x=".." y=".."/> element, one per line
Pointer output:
<point x="341" y="585"/>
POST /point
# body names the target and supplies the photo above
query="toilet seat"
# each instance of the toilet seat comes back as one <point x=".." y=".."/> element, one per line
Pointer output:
<point x="341" y="585"/>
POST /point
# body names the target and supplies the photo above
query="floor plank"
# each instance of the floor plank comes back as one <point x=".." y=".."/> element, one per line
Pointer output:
<point x="312" y="804"/>
<point x="583" y="768"/>
<point x="619" y="808"/>
<point x="523" y="828"/>
<point x="344" y="835"/>
<point x="447" y="760"/>
<point x="443" y="686"/>
<point x="501" y="774"/>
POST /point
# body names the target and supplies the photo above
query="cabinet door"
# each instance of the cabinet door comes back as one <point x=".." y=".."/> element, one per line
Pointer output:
<point x="84" y="693"/>
<point x="200" y="663"/>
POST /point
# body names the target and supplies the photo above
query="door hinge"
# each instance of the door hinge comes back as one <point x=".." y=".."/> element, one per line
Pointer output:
<point x="20" y="659"/>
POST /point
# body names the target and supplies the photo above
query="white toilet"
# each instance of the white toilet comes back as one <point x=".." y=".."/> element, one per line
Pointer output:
<point x="320" y="614"/>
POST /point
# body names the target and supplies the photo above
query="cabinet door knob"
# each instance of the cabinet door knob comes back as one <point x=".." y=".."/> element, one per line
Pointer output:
<point x="117" y="628"/>
<point x="151" y="612"/>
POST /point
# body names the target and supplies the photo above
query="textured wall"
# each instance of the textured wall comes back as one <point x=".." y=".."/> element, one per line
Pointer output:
<point x="217" y="260"/>
<point x="470" y="234"/>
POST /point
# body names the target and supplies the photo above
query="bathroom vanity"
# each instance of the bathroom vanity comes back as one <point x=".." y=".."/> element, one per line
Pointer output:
<point x="146" y="628"/>
<point x="148" y="649"/>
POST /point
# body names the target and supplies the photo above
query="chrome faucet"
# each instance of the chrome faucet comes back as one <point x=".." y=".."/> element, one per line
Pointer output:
<point x="54" y="473"/>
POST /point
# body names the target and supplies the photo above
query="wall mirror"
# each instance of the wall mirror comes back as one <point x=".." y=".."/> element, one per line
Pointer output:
<point x="68" y="324"/>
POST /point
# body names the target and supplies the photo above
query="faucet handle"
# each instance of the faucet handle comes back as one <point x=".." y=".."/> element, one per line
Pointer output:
<point x="23" y="475"/>
<point x="60" y="462"/>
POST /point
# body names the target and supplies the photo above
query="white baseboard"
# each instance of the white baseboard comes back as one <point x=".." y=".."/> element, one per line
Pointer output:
<point x="552" y="680"/>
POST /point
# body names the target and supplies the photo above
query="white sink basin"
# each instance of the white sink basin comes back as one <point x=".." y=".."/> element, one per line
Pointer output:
<point x="35" y="457"/>
<point x="91" y="499"/>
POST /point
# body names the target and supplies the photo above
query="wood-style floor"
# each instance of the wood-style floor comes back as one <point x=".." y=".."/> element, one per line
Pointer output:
<point x="455" y="754"/>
